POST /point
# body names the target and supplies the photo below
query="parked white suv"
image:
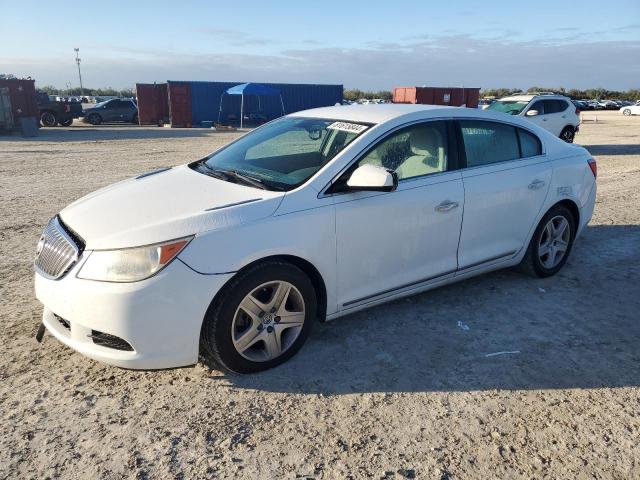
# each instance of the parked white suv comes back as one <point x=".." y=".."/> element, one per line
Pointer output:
<point x="555" y="113"/>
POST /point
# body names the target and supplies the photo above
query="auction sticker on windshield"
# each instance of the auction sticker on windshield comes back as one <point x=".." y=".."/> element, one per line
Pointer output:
<point x="347" y="127"/>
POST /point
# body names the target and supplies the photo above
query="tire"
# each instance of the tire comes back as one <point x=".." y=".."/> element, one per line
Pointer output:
<point x="626" y="112"/>
<point x="568" y="133"/>
<point x="94" y="119"/>
<point x="48" y="119"/>
<point x="227" y="324"/>
<point x="536" y="263"/>
<point x="66" y="123"/>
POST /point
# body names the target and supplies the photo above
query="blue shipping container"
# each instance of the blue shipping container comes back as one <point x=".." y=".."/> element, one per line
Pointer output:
<point x="206" y="96"/>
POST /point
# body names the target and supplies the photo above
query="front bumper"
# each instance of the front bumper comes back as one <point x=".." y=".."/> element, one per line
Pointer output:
<point x="160" y="318"/>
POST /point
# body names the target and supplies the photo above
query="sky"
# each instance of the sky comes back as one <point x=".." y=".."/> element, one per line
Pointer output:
<point x="369" y="45"/>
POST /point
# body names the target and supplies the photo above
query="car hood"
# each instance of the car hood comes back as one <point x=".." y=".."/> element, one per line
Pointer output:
<point x="164" y="205"/>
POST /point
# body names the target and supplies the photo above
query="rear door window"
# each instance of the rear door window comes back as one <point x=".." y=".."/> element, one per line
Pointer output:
<point x="489" y="142"/>
<point x="554" y="106"/>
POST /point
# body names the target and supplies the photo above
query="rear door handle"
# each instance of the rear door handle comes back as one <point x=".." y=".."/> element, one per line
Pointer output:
<point x="446" y="206"/>
<point x="536" y="184"/>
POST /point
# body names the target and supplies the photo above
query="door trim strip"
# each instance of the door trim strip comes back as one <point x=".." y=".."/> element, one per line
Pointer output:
<point x="428" y="279"/>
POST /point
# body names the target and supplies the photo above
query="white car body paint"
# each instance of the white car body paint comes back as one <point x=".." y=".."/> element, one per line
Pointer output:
<point x="368" y="247"/>
<point x="631" y="109"/>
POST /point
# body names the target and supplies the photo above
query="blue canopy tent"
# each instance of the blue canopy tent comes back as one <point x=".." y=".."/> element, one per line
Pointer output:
<point x="250" y="89"/>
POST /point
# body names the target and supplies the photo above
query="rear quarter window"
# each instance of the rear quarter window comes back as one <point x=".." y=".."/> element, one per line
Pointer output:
<point x="530" y="145"/>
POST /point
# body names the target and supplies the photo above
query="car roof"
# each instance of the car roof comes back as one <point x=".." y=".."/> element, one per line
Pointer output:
<point x="369" y="113"/>
<point x="530" y="96"/>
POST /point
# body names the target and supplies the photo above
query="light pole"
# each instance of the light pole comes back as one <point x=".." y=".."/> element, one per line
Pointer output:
<point x="79" y="74"/>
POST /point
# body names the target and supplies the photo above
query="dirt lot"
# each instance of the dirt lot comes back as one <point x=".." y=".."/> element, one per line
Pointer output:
<point x="399" y="391"/>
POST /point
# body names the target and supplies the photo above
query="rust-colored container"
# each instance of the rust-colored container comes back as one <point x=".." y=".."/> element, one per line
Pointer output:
<point x="456" y="96"/>
<point x="153" y="103"/>
<point x="180" y="104"/>
<point x="23" y="98"/>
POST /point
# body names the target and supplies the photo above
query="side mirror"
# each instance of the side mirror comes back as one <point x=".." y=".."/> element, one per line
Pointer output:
<point x="531" y="113"/>
<point x="372" y="178"/>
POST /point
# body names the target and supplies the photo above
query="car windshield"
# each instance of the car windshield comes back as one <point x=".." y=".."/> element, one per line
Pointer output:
<point x="513" y="107"/>
<point x="284" y="153"/>
<point x="101" y="103"/>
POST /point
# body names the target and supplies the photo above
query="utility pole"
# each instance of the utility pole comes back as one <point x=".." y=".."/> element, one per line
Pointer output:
<point x="79" y="74"/>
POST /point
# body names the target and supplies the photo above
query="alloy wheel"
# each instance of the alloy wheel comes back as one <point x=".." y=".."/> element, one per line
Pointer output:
<point x="554" y="242"/>
<point x="268" y="321"/>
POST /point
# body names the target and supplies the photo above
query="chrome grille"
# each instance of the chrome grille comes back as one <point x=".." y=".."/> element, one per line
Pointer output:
<point x="57" y="251"/>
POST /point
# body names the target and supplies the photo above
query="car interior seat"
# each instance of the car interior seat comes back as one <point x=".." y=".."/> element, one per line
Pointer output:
<point x="427" y="153"/>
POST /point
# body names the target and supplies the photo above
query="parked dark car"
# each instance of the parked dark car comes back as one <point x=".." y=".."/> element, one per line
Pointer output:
<point x="115" y="110"/>
<point x="53" y="112"/>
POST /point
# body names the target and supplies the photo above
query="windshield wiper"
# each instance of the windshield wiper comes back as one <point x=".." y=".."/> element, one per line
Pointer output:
<point x="255" y="182"/>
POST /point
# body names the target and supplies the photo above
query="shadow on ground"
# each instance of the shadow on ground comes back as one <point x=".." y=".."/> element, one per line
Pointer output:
<point x="110" y="132"/>
<point x="567" y="334"/>
<point x="631" y="149"/>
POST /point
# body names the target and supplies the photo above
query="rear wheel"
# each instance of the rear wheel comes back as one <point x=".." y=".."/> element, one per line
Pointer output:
<point x="48" y="119"/>
<point x="567" y="134"/>
<point x="626" y="111"/>
<point x="551" y="243"/>
<point x="95" y="119"/>
<point x="260" y="320"/>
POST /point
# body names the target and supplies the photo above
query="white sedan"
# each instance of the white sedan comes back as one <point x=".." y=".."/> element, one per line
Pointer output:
<point x="631" y="109"/>
<point x="310" y="217"/>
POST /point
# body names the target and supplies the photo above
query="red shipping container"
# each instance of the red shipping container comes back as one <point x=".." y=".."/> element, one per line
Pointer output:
<point x="23" y="98"/>
<point x="180" y="104"/>
<point x="437" y="96"/>
<point x="153" y="103"/>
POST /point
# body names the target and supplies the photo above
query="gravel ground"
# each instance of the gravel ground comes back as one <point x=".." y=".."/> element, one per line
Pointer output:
<point x="400" y="391"/>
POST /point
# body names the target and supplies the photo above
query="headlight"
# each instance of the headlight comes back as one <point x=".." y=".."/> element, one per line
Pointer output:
<point x="130" y="264"/>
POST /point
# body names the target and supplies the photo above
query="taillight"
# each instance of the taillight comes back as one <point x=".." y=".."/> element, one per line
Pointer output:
<point x="67" y="108"/>
<point x="594" y="167"/>
<point x="577" y="111"/>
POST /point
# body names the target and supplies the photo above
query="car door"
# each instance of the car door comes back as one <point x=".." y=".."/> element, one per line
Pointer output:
<point x="395" y="241"/>
<point x="506" y="180"/>
<point x="557" y="112"/>
<point x="111" y="111"/>
<point x="541" y="119"/>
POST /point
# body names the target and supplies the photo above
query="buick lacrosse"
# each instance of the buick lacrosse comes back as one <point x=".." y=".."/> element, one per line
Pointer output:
<point x="310" y="217"/>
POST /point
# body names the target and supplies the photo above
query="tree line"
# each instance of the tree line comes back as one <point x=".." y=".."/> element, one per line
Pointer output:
<point x="91" y="92"/>
<point x="573" y="93"/>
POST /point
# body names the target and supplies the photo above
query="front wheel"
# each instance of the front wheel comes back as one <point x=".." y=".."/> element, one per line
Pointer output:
<point x="567" y="134"/>
<point x="551" y="243"/>
<point x="626" y="112"/>
<point x="260" y="320"/>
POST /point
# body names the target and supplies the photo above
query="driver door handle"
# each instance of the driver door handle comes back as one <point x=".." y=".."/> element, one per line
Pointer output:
<point x="536" y="184"/>
<point x="446" y="206"/>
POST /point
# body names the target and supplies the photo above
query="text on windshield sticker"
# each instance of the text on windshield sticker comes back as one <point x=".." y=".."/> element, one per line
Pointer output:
<point x="347" y="127"/>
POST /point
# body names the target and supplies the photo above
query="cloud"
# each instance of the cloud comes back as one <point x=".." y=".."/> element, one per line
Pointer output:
<point x="449" y="60"/>
<point x="233" y="37"/>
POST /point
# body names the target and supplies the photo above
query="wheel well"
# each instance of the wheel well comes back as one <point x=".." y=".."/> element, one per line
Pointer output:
<point x="310" y="270"/>
<point x="572" y="207"/>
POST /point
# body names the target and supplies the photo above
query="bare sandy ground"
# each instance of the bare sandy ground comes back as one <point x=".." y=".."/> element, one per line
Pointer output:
<point x="399" y="391"/>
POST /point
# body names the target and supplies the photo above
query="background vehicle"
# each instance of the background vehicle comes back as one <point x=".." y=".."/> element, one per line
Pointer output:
<point x="236" y="255"/>
<point x="55" y="112"/>
<point x="631" y="109"/>
<point x="116" y="110"/>
<point x="555" y="113"/>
